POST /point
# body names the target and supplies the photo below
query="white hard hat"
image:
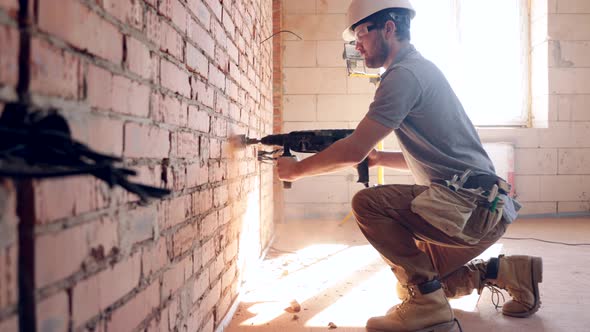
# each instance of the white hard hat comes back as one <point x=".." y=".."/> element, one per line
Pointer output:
<point x="361" y="9"/>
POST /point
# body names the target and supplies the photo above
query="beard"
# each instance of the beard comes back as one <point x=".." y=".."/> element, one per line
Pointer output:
<point x="378" y="58"/>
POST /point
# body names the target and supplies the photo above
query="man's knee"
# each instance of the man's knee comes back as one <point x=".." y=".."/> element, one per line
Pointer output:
<point x="361" y="201"/>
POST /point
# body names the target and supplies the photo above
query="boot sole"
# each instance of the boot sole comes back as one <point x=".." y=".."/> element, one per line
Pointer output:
<point x="443" y="327"/>
<point x="537" y="277"/>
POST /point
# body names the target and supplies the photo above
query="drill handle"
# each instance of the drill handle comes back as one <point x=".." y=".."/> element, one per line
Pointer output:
<point x="363" y="172"/>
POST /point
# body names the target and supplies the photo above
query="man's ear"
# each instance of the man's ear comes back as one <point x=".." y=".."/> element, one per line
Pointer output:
<point x="390" y="27"/>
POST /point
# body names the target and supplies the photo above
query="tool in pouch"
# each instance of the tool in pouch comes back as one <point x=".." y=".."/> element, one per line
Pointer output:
<point x="458" y="211"/>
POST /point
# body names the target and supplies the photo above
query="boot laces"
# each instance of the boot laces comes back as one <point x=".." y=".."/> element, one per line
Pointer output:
<point x="496" y="294"/>
<point x="411" y="293"/>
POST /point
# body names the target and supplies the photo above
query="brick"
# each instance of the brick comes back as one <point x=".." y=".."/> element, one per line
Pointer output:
<point x="129" y="12"/>
<point x="223" y="306"/>
<point x="229" y="24"/>
<point x="77" y="195"/>
<point x="214" y="149"/>
<point x="53" y="313"/>
<point x="217" y="172"/>
<point x="201" y="285"/>
<point x="205" y="94"/>
<point x="152" y="3"/>
<point x="139" y="59"/>
<point x="201" y="12"/>
<point x="179" y="177"/>
<point x="231" y="251"/>
<point x="210" y="299"/>
<point x="218" y="127"/>
<point x="299" y="7"/>
<point x="185" y="145"/>
<point x="146" y="141"/>
<point x="137" y="225"/>
<point x="573" y="6"/>
<point x="198" y="119"/>
<point x="234" y="111"/>
<point x="348" y="108"/>
<point x="207" y="251"/>
<point x="202" y="38"/>
<point x="174" y="211"/>
<point x="132" y="313"/>
<point x="216" y="77"/>
<point x="91" y="242"/>
<point x="168" y="109"/>
<point x="10" y="41"/>
<point x="300" y="107"/>
<point x="8" y="276"/>
<point x="174" y="78"/>
<point x="573" y="107"/>
<point x="569" y="80"/>
<point x="569" y="27"/>
<point x="171" y="41"/>
<point x="153" y="30"/>
<point x="220" y="195"/>
<point x="99" y="291"/>
<point x="154" y="258"/>
<point x="183" y="239"/>
<point x="10" y="7"/>
<point x="196" y="61"/>
<point x="74" y="23"/>
<point x="102" y="134"/>
<point x="203" y="201"/>
<point x="174" y="277"/>
<point x="233" y="51"/>
<point x="301" y="53"/>
<point x="197" y="175"/>
<point x="574" y="161"/>
<point x="54" y="72"/>
<point x="219" y="34"/>
<point x="149" y="175"/>
<point x="208" y="225"/>
<point x="536" y="161"/>
<point x="117" y="93"/>
<point x="10" y="324"/>
<point x="175" y="11"/>
<point x="215" y="6"/>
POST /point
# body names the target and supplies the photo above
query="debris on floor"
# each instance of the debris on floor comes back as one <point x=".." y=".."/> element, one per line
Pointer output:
<point x="294" y="306"/>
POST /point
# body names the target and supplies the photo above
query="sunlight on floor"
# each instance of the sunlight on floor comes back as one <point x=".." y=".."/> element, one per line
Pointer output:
<point x="352" y="274"/>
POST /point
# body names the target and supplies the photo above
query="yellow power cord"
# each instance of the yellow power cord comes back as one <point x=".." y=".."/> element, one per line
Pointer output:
<point x="380" y="181"/>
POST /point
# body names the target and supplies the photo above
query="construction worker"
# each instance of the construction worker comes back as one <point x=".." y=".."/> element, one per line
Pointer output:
<point x="430" y="260"/>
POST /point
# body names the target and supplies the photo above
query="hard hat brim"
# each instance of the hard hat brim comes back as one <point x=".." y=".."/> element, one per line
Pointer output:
<point x="348" y="35"/>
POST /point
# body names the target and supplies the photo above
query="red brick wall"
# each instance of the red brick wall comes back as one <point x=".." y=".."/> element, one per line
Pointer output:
<point x="277" y="79"/>
<point x="163" y="83"/>
<point x="9" y="75"/>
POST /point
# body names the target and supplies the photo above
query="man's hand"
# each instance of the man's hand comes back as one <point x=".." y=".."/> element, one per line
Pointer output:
<point x="374" y="158"/>
<point x="287" y="168"/>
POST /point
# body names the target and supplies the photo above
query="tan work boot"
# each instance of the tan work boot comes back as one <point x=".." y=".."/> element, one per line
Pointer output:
<point x="425" y="309"/>
<point x="520" y="276"/>
<point x="459" y="283"/>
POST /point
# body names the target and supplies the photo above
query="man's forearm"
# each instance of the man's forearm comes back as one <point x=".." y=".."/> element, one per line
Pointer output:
<point x="393" y="160"/>
<point x="340" y="155"/>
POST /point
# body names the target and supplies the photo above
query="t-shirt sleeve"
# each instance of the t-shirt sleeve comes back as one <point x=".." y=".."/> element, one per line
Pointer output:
<point x="398" y="93"/>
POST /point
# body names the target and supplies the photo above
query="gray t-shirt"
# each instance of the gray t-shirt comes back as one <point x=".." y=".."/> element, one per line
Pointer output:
<point x="437" y="138"/>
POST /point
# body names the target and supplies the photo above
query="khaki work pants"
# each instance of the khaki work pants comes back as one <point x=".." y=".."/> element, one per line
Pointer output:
<point x="416" y="251"/>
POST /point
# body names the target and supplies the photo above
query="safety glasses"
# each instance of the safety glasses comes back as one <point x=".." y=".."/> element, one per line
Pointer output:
<point x="363" y="30"/>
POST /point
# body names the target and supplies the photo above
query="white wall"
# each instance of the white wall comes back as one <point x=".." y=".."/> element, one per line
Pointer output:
<point x="552" y="159"/>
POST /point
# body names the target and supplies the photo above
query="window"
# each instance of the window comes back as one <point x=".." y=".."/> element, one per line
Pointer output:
<point x="482" y="46"/>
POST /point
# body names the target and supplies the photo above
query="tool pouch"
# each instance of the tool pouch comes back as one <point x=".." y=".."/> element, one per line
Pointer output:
<point x="464" y="213"/>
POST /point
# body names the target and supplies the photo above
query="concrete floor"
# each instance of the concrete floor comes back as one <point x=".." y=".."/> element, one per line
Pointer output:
<point x="336" y="277"/>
